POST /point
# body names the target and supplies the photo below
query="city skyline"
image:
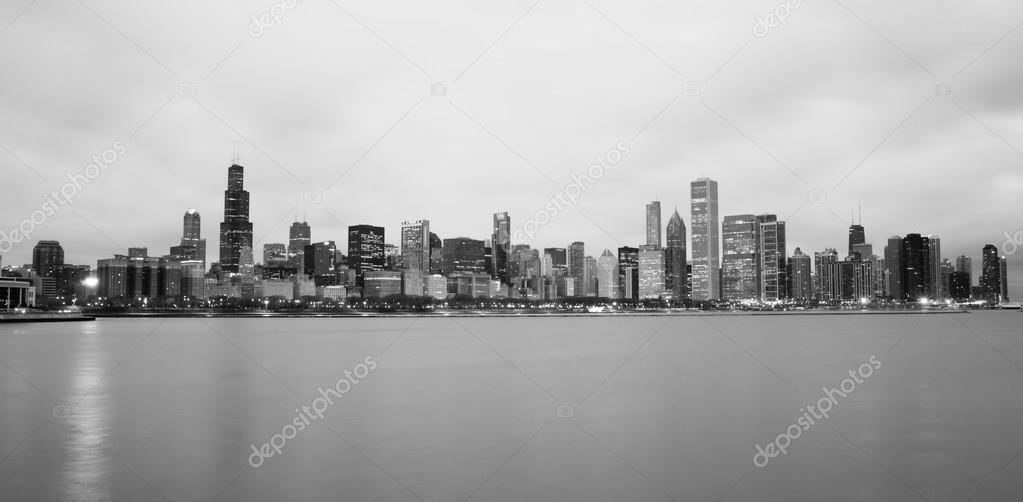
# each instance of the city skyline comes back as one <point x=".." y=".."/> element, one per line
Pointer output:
<point x="338" y="133"/>
<point x="754" y="267"/>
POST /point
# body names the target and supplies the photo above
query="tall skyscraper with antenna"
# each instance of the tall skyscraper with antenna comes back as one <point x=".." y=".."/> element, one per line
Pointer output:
<point x="236" y="229"/>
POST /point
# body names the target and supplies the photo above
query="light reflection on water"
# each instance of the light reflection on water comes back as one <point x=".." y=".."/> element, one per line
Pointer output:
<point x="464" y="407"/>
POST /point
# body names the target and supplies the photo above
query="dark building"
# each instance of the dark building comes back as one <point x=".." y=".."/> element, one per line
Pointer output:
<point x="990" y="274"/>
<point x="559" y="259"/>
<point x="628" y="272"/>
<point x="47" y="258"/>
<point x="299" y="236"/>
<point x="856" y="236"/>
<point x="675" y="258"/>
<point x="320" y="263"/>
<point x="365" y="250"/>
<point x="959" y="286"/>
<point x="236" y="230"/>
<point x="463" y="254"/>
<point x="917" y="270"/>
<point x="577" y="266"/>
<point x="800" y="280"/>
<point x="771" y="253"/>
<point x="501" y="247"/>
<point x="436" y="254"/>
<point x="893" y="268"/>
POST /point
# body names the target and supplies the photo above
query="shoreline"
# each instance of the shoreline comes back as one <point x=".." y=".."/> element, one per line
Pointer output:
<point x="501" y="314"/>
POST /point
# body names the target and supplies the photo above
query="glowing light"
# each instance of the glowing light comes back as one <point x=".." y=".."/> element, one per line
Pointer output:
<point x="90" y="282"/>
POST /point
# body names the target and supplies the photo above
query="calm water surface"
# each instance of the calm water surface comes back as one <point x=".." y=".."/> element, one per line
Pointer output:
<point x="494" y="409"/>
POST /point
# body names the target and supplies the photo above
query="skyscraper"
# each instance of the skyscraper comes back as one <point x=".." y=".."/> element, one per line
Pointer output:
<point x="415" y="245"/>
<point x="856" y="236"/>
<point x="321" y="262"/>
<point x="938" y="290"/>
<point x="893" y="268"/>
<point x="1003" y="279"/>
<point x="800" y="279"/>
<point x="236" y="230"/>
<point x="628" y="272"/>
<point x="365" y="251"/>
<point x="462" y="254"/>
<point x="589" y="276"/>
<point x="675" y="258"/>
<point x="501" y="247"/>
<point x="990" y="274"/>
<point x="653" y="224"/>
<point x="740" y="267"/>
<point x="299" y="236"/>
<point x="917" y="271"/>
<point x="193" y="246"/>
<point x="607" y="275"/>
<point x="275" y="254"/>
<point x="47" y="258"/>
<point x="706" y="239"/>
<point x="651" y="272"/>
<point x="771" y="251"/>
<point x="824" y="278"/>
<point x="436" y="254"/>
<point x="576" y="266"/>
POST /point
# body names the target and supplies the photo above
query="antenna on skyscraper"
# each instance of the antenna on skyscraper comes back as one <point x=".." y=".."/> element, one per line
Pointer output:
<point x="861" y="212"/>
<point x="235" y="158"/>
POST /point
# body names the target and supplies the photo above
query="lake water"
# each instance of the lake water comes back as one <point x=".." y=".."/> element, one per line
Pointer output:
<point x="526" y="408"/>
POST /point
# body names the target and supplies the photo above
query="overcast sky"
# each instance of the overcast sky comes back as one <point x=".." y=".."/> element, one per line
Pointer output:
<point x="336" y="97"/>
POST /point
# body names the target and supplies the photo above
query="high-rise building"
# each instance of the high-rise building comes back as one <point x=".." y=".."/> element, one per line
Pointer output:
<point x="501" y="247"/>
<point x="589" y="276"/>
<point x="47" y="258"/>
<point x="628" y="272"/>
<point x="964" y="264"/>
<point x="651" y="272"/>
<point x="436" y="254"/>
<point x="559" y="259"/>
<point x="576" y="266"/>
<point x="1003" y="279"/>
<point x="799" y="277"/>
<point x="299" y="236"/>
<point x="415" y="245"/>
<point x="653" y="224"/>
<point x="320" y="263"/>
<point x="366" y="251"/>
<point x="990" y="273"/>
<point x="917" y="271"/>
<point x="856" y="236"/>
<point x="824" y="279"/>
<point x="275" y="254"/>
<point x="607" y="275"/>
<point x="675" y="258"/>
<point x="193" y="246"/>
<point x="706" y="239"/>
<point x="236" y="229"/>
<point x="893" y="268"/>
<point x="740" y="267"/>
<point x="771" y="253"/>
<point x="938" y="290"/>
<point x="462" y="254"/>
